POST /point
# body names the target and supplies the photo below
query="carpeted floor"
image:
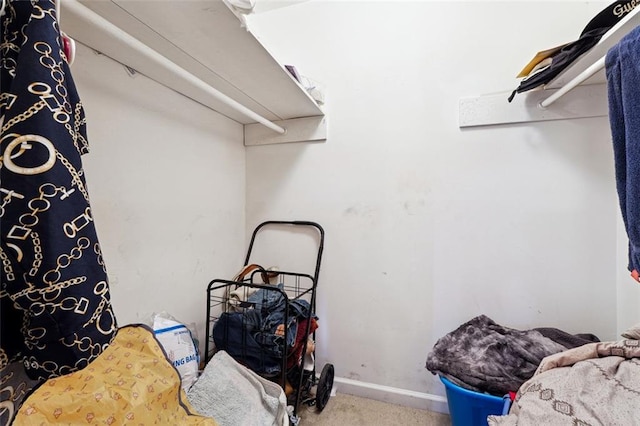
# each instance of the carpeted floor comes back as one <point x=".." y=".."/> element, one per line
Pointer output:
<point x="352" y="410"/>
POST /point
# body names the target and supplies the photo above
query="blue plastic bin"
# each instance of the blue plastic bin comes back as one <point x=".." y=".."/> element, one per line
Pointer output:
<point x="468" y="408"/>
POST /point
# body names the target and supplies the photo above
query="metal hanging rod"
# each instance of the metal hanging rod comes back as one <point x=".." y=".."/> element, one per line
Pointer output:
<point x="92" y="18"/>
<point x="579" y="79"/>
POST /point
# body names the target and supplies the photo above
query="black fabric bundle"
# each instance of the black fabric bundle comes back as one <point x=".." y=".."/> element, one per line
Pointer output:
<point x="589" y="37"/>
<point x="561" y="60"/>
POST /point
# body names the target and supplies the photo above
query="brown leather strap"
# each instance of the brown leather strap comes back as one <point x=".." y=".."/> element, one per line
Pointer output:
<point x="248" y="269"/>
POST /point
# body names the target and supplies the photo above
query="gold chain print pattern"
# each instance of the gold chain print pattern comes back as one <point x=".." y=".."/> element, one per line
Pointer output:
<point x="54" y="295"/>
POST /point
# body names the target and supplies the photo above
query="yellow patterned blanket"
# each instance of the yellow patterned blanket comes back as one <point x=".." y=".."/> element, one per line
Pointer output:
<point x="131" y="382"/>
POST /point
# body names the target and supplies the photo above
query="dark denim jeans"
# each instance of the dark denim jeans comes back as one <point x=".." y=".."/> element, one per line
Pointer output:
<point x="251" y="336"/>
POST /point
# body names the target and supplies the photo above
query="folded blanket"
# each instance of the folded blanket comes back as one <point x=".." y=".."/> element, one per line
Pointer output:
<point x="483" y="356"/>
<point x="624" y="348"/>
<point x="567" y="340"/>
<point x="236" y="396"/>
<point x="596" y="384"/>
<point x="131" y="382"/>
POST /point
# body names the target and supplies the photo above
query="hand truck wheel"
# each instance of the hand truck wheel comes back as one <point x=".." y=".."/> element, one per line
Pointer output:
<point x="325" y="384"/>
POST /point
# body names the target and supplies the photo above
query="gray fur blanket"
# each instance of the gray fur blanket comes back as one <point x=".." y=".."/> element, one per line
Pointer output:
<point x="483" y="356"/>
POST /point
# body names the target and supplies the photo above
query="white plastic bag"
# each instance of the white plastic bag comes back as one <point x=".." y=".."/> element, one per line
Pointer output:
<point x="178" y="343"/>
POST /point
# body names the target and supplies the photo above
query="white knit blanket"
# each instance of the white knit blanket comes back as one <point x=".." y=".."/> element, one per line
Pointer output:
<point x="235" y="396"/>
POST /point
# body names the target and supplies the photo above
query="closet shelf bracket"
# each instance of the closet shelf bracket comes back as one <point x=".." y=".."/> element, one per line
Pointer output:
<point x="582" y="102"/>
<point x="306" y="129"/>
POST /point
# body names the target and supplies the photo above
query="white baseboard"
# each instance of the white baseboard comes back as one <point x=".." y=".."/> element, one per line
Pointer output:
<point x="407" y="398"/>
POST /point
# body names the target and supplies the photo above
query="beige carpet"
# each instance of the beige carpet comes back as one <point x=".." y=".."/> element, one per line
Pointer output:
<point x="352" y="410"/>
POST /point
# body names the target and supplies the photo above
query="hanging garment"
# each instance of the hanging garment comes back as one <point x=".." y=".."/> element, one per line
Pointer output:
<point x="623" y="81"/>
<point x="54" y="295"/>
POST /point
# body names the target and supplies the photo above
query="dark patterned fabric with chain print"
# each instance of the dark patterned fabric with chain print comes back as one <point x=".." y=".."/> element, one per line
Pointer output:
<point x="54" y="295"/>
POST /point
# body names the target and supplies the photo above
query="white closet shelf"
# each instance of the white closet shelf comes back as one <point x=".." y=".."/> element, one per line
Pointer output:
<point x="582" y="86"/>
<point x="206" y="39"/>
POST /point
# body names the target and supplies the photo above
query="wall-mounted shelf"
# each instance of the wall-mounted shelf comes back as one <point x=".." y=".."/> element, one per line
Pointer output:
<point x="205" y="38"/>
<point x="489" y="110"/>
<point x="611" y="37"/>
<point x="581" y="86"/>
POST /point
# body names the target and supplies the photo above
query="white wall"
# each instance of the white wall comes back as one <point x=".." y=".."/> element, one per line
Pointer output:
<point x="428" y="225"/>
<point x="166" y="178"/>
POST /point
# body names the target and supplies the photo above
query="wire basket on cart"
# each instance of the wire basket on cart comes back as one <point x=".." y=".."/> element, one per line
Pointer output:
<point x="265" y="319"/>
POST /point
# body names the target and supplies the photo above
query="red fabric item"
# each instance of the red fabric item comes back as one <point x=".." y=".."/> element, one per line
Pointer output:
<point x="296" y="353"/>
<point x="635" y="275"/>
